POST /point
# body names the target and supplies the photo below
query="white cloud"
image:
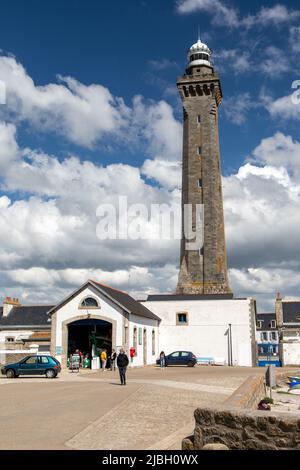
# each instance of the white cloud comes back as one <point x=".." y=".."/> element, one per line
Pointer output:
<point x="166" y="173"/>
<point x="223" y="14"/>
<point x="284" y="108"/>
<point x="275" y="15"/>
<point x="295" y="39"/>
<point x="237" y="107"/>
<point x="82" y="114"/>
<point x="274" y="63"/>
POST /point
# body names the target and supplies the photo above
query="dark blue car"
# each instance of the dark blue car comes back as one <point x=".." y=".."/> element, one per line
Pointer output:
<point x="33" y="365"/>
<point x="180" y="358"/>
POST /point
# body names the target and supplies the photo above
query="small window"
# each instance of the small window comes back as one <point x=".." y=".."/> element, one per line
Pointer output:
<point x="176" y="354"/>
<point x="43" y="360"/>
<point x="9" y="339"/>
<point x="259" y="324"/>
<point x="153" y="342"/>
<point x="273" y="336"/>
<point x="199" y="119"/>
<point x="135" y="339"/>
<point x="182" y="318"/>
<point x="89" y="302"/>
<point x="31" y="360"/>
<point x="273" y="323"/>
<point x="199" y="150"/>
<point x="201" y="251"/>
<point x="200" y="183"/>
<point x="264" y="336"/>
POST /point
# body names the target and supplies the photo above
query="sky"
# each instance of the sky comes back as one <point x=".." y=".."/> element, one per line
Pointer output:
<point x="92" y="112"/>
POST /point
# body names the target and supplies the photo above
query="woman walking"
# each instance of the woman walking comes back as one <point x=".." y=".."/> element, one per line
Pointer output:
<point x="162" y="360"/>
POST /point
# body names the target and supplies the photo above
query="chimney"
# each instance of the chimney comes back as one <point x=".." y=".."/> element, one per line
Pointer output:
<point x="8" y="304"/>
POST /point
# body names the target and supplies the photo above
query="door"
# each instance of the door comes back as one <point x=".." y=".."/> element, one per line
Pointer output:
<point x="28" y="366"/>
<point x="184" y="358"/>
<point x="174" y="359"/>
<point x="42" y="364"/>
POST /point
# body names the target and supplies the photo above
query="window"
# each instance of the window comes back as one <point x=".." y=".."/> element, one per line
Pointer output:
<point x="185" y="354"/>
<point x="264" y="336"/>
<point x="176" y="354"/>
<point x="135" y="339"/>
<point x="43" y="360"/>
<point x="182" y="318"/>
<point x="153" y="342"/>
<point x="199" y="119"/>
<point x="89" y="302"/>
<point x="273" y="323"/>
<point x="201" y="251"/>
<point x="30" y="360"/>
<point x="199" y="150"/>
<point x="273" y="336"/>
<point x="259" y="324"/>
<point x="200" y="183"/>
<point x="9" y="339"/>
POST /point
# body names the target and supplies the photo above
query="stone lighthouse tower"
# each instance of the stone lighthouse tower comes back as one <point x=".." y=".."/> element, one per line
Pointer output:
<point x="203" y="267"/>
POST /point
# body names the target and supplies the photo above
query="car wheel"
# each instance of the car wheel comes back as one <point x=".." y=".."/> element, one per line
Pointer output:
<point x="10" y="374"/>
<point x="50" y="374"/>
<point x="191" y="364"/>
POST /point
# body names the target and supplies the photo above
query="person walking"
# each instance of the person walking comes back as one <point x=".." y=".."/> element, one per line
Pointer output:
<point x="122" y="363"/>
<point x="103" y="357"/>
<point x="113" y="358"/>
<point x="162" y="360"/>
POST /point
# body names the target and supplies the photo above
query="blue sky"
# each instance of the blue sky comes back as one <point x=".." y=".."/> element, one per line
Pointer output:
<point x="115" y="43"/>
<point x="133" y="51"/>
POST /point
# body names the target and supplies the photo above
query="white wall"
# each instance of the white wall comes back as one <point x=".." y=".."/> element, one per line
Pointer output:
<point x="112" y="312"/>
<point x="149" y="325"/>
<point x="208" y="323"/>
<point x="291" y="354"/>
<point x="71" y="309"/>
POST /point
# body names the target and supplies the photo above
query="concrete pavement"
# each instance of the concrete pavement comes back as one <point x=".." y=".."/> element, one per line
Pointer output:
<point x="92" y="411"/>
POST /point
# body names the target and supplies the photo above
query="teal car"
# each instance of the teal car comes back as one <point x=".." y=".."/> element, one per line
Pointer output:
<point x="33" y="365"/>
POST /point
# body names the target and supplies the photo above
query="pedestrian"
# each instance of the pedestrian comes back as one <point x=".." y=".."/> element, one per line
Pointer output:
<point x="122" y="363"/>
<point x="162" y="360"/>
<point x="103" y="358"/>
<point x="113" y="358"/>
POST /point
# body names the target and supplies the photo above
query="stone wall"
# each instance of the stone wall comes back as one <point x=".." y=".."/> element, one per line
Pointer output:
<point x="239" y="426"/>
<point x="249" y="394"/>
<point x="250" y="430"/>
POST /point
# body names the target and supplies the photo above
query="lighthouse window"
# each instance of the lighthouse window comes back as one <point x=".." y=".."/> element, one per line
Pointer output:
<point x="199" y="183"/>
<point x="199" y="57"/>
<point x="199" y="150"/>
<point x="199" y="119"/>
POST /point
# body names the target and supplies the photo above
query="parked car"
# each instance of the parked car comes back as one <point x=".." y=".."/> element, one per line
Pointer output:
<point x="180" y="358"/>
<point x="33" y="365"/>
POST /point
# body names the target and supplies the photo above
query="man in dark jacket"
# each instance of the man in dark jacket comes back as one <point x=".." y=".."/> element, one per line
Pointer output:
<point x="122" y="363"/>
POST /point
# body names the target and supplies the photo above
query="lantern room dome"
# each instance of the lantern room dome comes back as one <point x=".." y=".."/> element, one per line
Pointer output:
<point x="199" y="54"/>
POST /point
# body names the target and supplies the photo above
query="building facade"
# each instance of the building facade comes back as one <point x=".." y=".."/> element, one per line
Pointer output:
<point x="288" y="321"/>
<point x="267" y="340"/>
<point x="217" y="330"/>
<point x="203" y="266"/>
<point x="23" y="330"/>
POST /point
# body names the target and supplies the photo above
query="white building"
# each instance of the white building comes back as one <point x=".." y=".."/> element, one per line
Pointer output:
<point x="110" y="318"/>
<point x="217" y="329"/>
<point x="288" y="320"/>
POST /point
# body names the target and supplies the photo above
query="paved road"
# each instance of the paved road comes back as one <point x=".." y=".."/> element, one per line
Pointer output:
<point x="92" y="411"/>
